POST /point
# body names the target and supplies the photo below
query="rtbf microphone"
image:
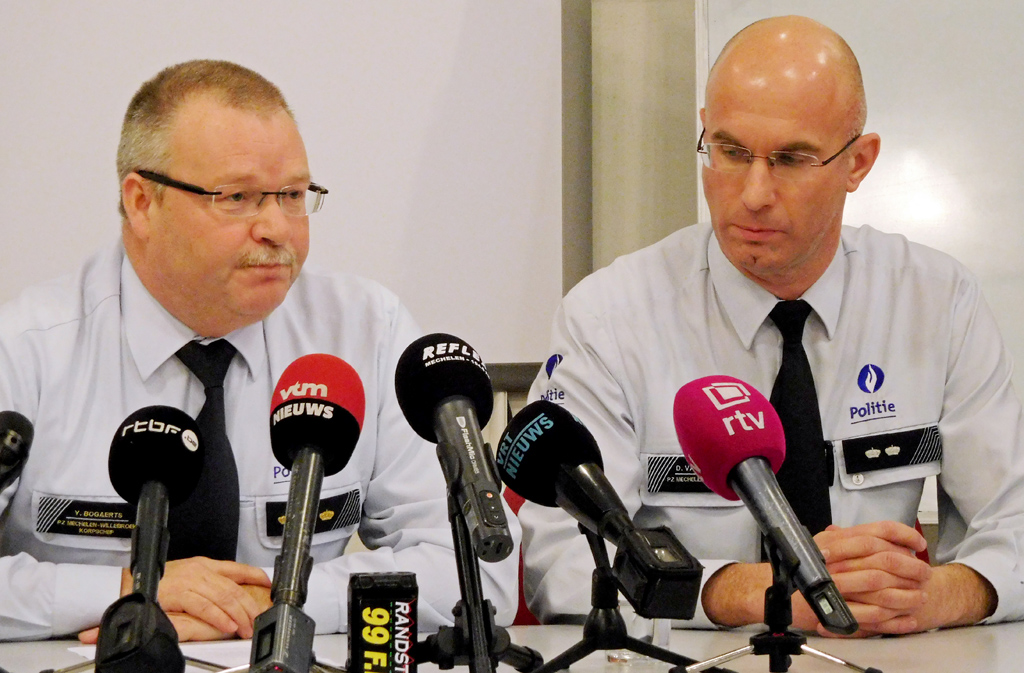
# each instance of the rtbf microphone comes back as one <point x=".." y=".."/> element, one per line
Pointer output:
<point x="733" y="438"/>
<point x="15" y="441"/>
<point x="155" y="460"/>
<point x="547" y="456"/>
<point x="445" y="393"/>
<point x="316" y="417"/>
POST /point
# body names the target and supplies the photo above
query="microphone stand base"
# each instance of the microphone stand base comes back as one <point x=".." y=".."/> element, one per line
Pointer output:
<point x="196" y="663"/>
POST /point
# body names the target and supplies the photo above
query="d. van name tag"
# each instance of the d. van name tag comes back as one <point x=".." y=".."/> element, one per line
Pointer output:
<point x="672" y="474"/>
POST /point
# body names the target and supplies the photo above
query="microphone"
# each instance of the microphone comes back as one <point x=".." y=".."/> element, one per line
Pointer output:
<point x="547" y="456"/>
<point x="15" y="440"/>
<point x="445" y="393"/>
<point x="316" y="416"/>
<point x="155" y="461"/>
<point x="733" y="439"/>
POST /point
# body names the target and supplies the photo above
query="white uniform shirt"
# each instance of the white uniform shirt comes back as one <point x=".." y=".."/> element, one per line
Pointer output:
<point x="78" y="355"/>
<point x="900" y="339"/>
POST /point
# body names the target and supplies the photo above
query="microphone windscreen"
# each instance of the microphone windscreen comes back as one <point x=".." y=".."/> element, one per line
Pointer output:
<point x="160" y="444"/>
<point x="318" y="403"/>
<point x="434" y="368"/>
<point x="541" y="439"/>
<point x="16" y="431"/>
<point x="720" y="422"/>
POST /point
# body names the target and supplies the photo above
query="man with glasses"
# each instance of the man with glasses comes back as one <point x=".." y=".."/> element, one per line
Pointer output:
<point x="216" y="195"/>
<point x="910" y="374"/>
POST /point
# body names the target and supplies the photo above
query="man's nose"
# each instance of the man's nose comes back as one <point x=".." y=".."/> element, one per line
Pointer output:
<point x="758" y="185"/>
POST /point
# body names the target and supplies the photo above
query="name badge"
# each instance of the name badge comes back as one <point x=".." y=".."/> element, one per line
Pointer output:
<point x="892" y="449"/>
<point x="672" y="474"/>
<point x="67" y="516"/>
<point x="333" y="513"/>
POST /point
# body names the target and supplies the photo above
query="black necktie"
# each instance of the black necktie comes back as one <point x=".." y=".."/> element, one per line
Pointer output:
<point x="807" y="471"/>
<point x="207" y="523"/>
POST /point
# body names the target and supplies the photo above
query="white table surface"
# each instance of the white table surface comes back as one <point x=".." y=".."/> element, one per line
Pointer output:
<point x="978" y="649"/>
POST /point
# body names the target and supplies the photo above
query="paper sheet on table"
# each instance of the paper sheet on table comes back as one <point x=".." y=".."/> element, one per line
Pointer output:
<point x="227" y="653"/>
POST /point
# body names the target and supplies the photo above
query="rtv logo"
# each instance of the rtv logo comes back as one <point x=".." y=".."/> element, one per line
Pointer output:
<point x="727" y="394"/>
<point x="304" y="390"/>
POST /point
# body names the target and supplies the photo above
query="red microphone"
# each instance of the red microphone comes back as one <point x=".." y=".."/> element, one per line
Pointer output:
<point x="318" y="402"/>
<point x="733" y="438"/>
<point x="316" y="416"/>
<point x="720" y="422"/>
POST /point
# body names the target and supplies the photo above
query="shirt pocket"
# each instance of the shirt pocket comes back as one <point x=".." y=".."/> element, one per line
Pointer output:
<point x="906" y="454"/>
<point x="337" y="516"/>
<point x="92" y="522"/>
<point x="669" y="481"/>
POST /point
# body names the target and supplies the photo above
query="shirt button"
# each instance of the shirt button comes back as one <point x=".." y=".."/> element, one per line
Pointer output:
<point x="858" y="479"/>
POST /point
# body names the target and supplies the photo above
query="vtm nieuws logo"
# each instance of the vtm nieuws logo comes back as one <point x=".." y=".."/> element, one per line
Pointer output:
<point x="730" y="394"/>
<point x="304" y="390"/>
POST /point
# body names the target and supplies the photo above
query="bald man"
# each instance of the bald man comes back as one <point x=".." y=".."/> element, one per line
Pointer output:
<point x="903" y="350"/>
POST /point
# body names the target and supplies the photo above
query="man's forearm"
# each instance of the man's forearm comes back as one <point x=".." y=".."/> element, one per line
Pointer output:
<point x="734" y="596"/>
<point x="957" y="596"/>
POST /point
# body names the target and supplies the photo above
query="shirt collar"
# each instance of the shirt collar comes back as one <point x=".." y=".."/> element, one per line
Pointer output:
<point x="154" y="335"/>
<point x="747" y="304"/>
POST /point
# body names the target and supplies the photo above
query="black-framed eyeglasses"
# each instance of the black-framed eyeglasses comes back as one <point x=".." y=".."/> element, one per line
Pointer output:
<point x="247" y="200"/>
<point x="782" y="163"/>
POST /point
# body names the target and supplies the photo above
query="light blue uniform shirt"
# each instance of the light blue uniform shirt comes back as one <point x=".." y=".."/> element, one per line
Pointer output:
<point x="900" y="339"/>
<point x="78" y="355"/>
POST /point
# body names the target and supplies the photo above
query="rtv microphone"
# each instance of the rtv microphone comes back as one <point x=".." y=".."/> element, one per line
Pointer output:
<point x="445" y="393"/>
<point x="315" y="420"/>
<point x="15" y="441"/>
<point x="733" y="438"/>
<point x="550" y="458"/>
<point x="155" y="461"/>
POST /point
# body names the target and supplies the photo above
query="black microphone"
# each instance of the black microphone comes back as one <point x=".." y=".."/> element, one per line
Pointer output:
<point x="15" y="441"/>
<point x="155" y="461"/>
<point x="733" y="438"/>
<point x="445" y="394"/>
<point x="547" y="456"/>
<point x="316" y="417"/>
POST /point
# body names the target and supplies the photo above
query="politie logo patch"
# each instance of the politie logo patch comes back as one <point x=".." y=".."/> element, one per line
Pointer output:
<point x="870" y="378"/>
<point x="553" y="361"/>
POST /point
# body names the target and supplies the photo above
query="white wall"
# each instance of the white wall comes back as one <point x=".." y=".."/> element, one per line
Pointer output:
<point x="945" y="91"/>
<point x="436" y="126"/>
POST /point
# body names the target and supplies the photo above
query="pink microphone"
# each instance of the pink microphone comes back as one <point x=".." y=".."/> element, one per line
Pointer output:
<point x="733" y="438"/>
<point x="720" y="422"/>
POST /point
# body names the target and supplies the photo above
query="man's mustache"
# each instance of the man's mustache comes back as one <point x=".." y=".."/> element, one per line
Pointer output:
<point x="267" y="257"/>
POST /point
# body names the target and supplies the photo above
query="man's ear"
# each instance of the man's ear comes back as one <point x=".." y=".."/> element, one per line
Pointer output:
<point x="864" y="152"/>
<point x="137" y="197"/>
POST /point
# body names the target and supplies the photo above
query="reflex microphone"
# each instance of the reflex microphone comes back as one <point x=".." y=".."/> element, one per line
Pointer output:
<point x="733" y="438"/>
<point x="445" y="393"/>
<point x="155" y="461"/>
<point x="316" y="417"/>
<point x="547" y="456"/>
<point x="15" y="441"/>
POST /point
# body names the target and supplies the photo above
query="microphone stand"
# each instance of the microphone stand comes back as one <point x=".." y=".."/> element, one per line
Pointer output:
<point x="605" y="629"/>
<point x="778" y="641"/>
<point x="475" y="640"/>
<point x="135" y="633"/>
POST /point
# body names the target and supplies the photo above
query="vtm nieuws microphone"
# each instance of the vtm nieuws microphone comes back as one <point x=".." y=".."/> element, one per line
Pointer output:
<point x="316" y="417"/>
<point x="733" y="438"/>
<point x="445" y="393"/>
